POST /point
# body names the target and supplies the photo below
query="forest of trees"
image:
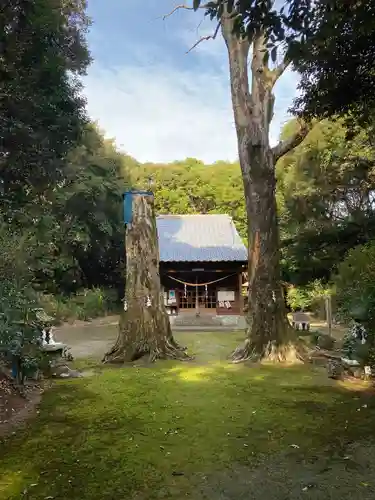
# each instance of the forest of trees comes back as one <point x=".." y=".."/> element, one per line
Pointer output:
<point x="324" y="195"/>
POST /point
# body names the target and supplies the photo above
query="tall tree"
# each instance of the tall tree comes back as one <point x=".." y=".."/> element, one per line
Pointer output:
<point x="42" y="51"/>
<point x="144" y="328"/>
<point x="269" y="333"/>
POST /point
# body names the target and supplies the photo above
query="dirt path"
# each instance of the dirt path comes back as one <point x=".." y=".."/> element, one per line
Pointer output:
<point x="92" y="339"/>
<point x="89" y="339"/>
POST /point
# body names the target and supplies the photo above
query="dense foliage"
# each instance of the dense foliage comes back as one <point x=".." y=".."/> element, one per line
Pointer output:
<point x="355" y="285"/>
<point x="42" y="113"/>
<point x="21" y="317"/>
<point x="189" y="186"/>
<point x="74" y="238"/>
<point x="337" y="60"/>
<point x="325" y="193"/>
<point x="308" y="298"/>
<point x="61" y="182"/>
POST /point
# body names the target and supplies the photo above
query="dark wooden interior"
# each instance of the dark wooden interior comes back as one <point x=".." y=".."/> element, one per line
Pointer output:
<point x="221" y="296"/>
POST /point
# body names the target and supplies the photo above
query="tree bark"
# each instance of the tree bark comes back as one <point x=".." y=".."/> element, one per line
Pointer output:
<point x="269" y="334"/>
<point x="144" y="328"/>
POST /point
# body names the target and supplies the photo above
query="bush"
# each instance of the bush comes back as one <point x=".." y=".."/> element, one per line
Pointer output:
<point x="298" y="298"/>
<point x="22" y="321"/>
<point x="85" y="305"/>
<point x="310" y="297"/>
<point x="359" y="344"/>
<point x="322" y="340"/>
<point x="22" y="318"/>
<point x="355" y="286"/>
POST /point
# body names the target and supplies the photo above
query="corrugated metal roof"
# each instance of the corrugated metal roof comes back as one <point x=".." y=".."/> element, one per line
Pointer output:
<point x="199" y="238"/>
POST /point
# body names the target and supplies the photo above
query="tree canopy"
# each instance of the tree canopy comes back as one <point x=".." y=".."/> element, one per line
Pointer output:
<point x="41" y="108"/>
<point x="326" y="199"/>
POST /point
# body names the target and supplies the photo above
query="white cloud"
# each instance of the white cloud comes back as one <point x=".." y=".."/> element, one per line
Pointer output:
<point x="159" y="113"/>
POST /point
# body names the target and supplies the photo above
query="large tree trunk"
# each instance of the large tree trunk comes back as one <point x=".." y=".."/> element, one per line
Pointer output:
<point x="269" y="334"/>
<point x="144" y="328"/>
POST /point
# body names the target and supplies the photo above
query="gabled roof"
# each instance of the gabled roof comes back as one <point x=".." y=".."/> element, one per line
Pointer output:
<point x="199" y="238"/>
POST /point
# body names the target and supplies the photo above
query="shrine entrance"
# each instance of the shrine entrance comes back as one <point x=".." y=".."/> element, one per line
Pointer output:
<point x="203" y="292"/>
<point x="196" y="299"/>
<point x="202" y="259"/>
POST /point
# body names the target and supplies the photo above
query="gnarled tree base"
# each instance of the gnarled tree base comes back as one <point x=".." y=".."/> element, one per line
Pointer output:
<point x="164" y="348"/>
<point x="291" y="352"/>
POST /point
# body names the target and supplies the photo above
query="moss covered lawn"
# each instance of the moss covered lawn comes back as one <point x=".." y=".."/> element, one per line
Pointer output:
<point x="201" y="430"/>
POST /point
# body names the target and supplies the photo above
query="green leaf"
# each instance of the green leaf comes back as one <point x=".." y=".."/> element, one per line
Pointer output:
<point x="196" y="4"/>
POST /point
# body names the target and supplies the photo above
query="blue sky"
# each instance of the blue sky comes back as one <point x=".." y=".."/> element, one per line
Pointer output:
<point x="159" y="103"/>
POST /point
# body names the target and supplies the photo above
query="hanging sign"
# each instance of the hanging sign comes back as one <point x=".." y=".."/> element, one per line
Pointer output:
<point x="171" y="297"/>
<point x="226" y="295"/>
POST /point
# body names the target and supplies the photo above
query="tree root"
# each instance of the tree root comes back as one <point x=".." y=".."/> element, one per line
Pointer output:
<point x="288" y="353"/>
<point x="168" y="349"/>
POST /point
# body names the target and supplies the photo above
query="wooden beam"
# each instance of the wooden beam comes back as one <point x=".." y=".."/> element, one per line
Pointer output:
<point x="241" y="299"/>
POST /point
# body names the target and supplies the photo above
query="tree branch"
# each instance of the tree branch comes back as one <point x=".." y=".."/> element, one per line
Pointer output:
<point x="284" y="147"/>
<point x="279" y="70"/>
<point x="207" y="37"/>
<point x="186" y="7"/>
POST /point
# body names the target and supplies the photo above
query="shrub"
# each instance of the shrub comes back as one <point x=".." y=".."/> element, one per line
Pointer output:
<point x="22" y="318"/>
<point x="21" y="323"/>
<point x="359" y="344"/>
<point x="307" y="298"/>
<point x="355" y="286"/>
<point x="85" y="305"/>
<point x="322" y="340"/>
<point x="298" y="298"/>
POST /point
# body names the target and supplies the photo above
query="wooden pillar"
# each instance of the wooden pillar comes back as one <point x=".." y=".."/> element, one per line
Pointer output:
<point x="241" y="299"/>
<point x="196" y="297"/>
<point x="328" y="304"/>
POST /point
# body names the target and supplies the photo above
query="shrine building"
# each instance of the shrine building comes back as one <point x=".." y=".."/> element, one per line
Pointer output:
<point x="202" y="261"/>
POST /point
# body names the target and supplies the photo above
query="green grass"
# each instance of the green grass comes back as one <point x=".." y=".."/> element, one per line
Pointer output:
<point x="158" y="432"/>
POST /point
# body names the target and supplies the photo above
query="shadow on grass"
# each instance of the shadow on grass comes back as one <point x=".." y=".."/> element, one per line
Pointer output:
<point x="157" y="432"/>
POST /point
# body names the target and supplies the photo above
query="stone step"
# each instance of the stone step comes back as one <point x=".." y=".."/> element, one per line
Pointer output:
<point x="207" y="321"/>
<point x="194" y="321"/>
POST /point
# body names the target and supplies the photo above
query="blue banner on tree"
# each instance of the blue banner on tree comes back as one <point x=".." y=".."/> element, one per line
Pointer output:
<point x="128" y="204"/>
